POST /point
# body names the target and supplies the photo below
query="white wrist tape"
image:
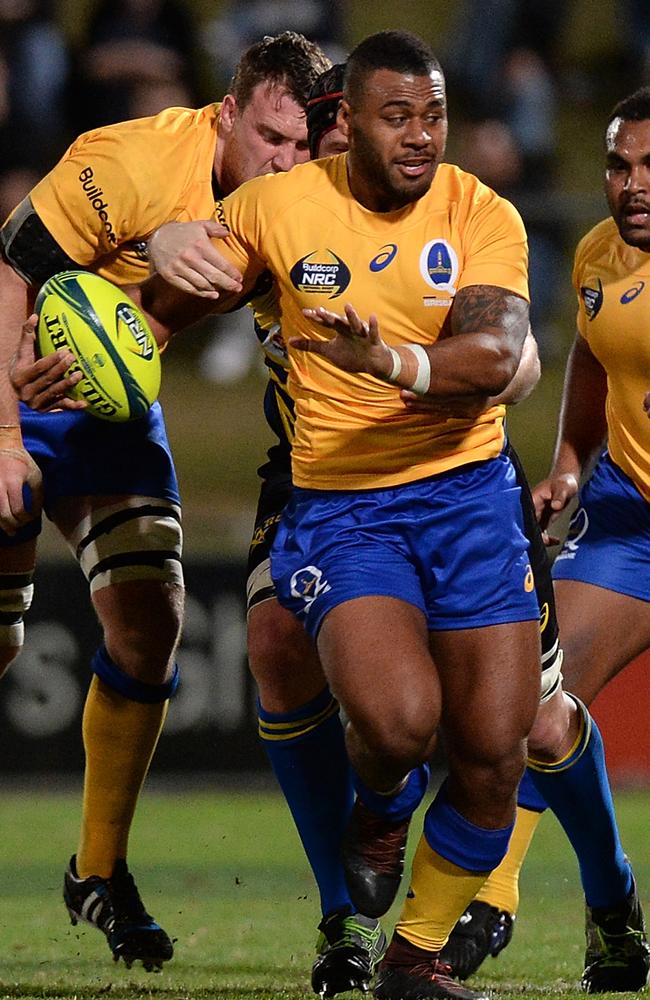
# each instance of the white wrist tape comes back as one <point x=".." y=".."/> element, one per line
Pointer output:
<point x="423" y="377"/>
<point x="397" y="366"/>
<point x="423" y="368"/>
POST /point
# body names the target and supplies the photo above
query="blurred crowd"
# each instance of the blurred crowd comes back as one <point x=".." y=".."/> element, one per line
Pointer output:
<point x="136" y="57"/>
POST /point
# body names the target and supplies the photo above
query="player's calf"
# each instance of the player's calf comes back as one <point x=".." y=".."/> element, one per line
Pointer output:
<point x="375" y="841"/>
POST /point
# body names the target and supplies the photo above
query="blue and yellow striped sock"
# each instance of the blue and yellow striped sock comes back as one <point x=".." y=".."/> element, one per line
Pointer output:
<point x="451" y="863"/>
<point x="306" y="749"/>
<point x="577" y="790"/>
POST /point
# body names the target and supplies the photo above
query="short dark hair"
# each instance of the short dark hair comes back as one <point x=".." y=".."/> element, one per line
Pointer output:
<point x="288" y="59"/>
<point x="400" y="51"/>
<point x="323" y="104"/>
<point x="634" y="108"/>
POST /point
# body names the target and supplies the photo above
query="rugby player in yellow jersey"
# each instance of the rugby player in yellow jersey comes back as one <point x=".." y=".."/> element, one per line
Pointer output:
<point x="373" y="548"/>
<point x="601" y="572"/>
<point x="298" y="729"/>
<point x="380" y="490"/>
<point x="111" y="490"/>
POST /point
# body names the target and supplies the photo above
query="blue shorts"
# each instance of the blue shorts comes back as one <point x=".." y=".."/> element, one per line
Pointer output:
<point x="80" y="455"/>
<point x="608" y="543"/>
<point x="451" y="545"/>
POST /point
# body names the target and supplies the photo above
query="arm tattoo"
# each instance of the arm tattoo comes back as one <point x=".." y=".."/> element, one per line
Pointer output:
<point x="488" y="309"/>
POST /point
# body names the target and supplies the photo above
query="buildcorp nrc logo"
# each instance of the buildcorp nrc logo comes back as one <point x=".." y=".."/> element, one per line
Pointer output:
<point x="95" y="196"/>
<point x="320" y="271"/>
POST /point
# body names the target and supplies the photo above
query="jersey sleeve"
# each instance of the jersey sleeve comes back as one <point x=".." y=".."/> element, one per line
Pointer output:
<point x="105" y="191"/>
<point x="245" y="213"/>
<point x="495" y="245"/>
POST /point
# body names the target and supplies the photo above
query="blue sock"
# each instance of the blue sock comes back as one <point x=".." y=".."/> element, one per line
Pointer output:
<point x="577" y="790"/>
<point x="306" y="749"/>
<point x="403" y="804"/>
<point x="457" y="839"/>
<point x="528" y="797"/>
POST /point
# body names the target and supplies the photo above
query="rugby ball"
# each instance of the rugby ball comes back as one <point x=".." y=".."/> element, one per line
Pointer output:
<point x="113" y="346"/>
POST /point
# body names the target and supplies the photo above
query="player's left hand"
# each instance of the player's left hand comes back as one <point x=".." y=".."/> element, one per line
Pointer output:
<point x="43" y="383"/>
<point x="356" y="347"/>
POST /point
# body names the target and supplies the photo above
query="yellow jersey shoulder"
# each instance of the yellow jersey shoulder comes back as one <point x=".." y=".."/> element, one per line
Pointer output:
<point x="115" y="185"/>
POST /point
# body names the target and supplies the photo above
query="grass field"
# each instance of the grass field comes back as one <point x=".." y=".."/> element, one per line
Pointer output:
<point x="223" y="872"/>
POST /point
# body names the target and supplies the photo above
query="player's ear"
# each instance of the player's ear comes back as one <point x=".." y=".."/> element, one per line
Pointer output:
<point x="228" y="113"/>
<point x="343" y="118"/>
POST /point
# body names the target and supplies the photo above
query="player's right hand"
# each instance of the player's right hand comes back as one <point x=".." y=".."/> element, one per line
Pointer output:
<point x="17" y="471"/>
<point x="43" y="384"/>
<point x="551" y="497"/>
<point x="184" y="255"/>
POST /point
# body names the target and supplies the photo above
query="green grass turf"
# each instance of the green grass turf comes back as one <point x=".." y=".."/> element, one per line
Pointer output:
<point x="224" y="873"/>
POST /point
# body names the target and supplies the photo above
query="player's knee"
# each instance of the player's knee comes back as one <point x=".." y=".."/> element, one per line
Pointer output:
<point x="553" y="728"/>
<point x="143" y="643"/>
<point x="15" y="599"/>
<point x="282" y="658"/>
<point x="130" y="554"/>
<point x="403" y="737"/>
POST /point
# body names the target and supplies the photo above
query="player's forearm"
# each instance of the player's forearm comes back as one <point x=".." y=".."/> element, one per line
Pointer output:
<point x="582" y="423"/>
<point x="482" y="365"/>
<point x="488" y="327"/>
<point x="169" y="310"/>
<point x="14" y="297"/>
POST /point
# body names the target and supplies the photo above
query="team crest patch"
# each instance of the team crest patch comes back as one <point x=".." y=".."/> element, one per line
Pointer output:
<point x="439" y="265"/>
<point x="321" y="271"/>
<point x="593" y="299"/>
<point x="307" y="584"/>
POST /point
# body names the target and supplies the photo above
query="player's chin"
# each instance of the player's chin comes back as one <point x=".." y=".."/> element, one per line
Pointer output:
<point x="412" y="188"/>
<point x="636" y="236"/>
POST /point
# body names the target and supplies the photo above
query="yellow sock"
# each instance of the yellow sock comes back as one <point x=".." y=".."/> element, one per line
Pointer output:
<point x="119" y="737"/>
<point x="440" y="892"/>
<point x="501" y="888"/>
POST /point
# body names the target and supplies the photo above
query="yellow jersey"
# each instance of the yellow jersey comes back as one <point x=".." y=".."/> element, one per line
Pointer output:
<point x="612" y="281"/>
<point x="115" y="185"/>
<point x="324" y="248"/>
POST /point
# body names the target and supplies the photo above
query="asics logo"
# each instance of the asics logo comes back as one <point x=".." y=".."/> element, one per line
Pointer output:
<point x="632" y="293"/>
<point x="385" y="256"/>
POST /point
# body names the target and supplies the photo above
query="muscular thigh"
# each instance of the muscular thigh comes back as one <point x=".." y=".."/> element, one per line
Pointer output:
<point x="490" y="680"/>
<point x="601" y="632"/>
<point x="375" y="653"/>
